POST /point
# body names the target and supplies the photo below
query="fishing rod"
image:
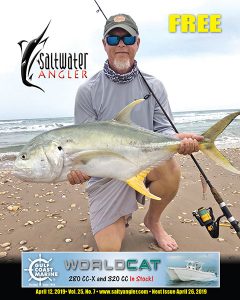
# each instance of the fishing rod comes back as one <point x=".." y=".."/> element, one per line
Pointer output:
<point x="203" y="215"/>
<point x="99" y="9"/>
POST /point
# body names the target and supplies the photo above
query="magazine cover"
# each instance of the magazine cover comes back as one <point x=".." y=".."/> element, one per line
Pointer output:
<point x="119" y="147"/>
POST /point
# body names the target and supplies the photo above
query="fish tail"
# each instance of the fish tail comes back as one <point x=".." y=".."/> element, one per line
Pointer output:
<point x="208" y="147"/>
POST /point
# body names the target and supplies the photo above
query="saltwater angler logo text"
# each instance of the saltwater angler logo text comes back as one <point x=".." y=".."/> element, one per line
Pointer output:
<point x="60" y="65"/>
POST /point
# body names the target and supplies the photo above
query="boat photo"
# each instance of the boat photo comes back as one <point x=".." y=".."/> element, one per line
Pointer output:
<point x="192" y="271"/>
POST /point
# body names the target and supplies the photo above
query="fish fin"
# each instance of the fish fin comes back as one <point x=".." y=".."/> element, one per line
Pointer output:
<point x="173" y="148"/>
<point x="208" y="147"/>
<point x="137" y="184"/>
<point x="212" y="152"/>
<point x="20" y="44"/>
<point x="44" y="41"/>
<point x="124" y="116"/>
<point x="84" y="156"/>
<point x="213" y="132"/>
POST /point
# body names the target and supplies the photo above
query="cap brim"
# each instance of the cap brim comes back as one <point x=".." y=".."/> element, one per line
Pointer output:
<point x="123" y="26"/>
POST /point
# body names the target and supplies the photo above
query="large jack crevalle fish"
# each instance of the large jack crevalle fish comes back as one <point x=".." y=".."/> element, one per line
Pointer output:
<point x="114" y="149"/>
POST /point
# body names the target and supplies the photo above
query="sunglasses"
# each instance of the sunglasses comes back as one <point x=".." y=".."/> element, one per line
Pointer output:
<point x="113" y="40"/>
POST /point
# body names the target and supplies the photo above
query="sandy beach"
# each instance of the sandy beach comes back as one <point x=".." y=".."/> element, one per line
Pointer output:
<point x="54" y="217"/>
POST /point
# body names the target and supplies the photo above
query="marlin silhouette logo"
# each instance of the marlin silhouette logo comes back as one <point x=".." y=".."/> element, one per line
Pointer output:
<point x="29" y="55"/>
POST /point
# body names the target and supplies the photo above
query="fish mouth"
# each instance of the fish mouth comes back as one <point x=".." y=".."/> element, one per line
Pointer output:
<point x="22" y="173"/>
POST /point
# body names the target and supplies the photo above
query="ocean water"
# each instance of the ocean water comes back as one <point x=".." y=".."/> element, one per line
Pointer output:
<point x="193" y="284"/>
<point x="14" y="134"/>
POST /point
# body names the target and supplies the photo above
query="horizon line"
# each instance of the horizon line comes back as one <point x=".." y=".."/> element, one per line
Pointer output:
<point x="177" y="111"/>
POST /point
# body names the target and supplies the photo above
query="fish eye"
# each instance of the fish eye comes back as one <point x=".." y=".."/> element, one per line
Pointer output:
<point x="60" y="148"/>
<point x="23" y="156"/>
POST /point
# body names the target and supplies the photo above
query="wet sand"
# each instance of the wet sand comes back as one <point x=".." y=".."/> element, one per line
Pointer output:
<point x="54" y="217"/>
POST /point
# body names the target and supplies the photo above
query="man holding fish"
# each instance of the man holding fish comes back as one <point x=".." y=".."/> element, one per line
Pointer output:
<point x="112" y="202"/>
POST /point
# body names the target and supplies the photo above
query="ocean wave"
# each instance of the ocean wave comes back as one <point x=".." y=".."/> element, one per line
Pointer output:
<point x="11" y="122"/>
<point x="32" y="128"/>
<point x="196" y="117"/>
<point x="14" y="134"/>
<point x="10" y="156"/>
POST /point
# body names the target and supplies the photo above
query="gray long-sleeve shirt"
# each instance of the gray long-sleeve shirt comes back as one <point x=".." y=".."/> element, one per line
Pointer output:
<point x="99" y="98"/>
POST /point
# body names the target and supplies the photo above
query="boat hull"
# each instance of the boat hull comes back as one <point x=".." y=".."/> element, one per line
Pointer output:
<point x="185" y="274"/>
<point x="172" y="274"/>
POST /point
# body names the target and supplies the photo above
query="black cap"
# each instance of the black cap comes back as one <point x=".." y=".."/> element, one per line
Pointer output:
<point x="121" y="21"/>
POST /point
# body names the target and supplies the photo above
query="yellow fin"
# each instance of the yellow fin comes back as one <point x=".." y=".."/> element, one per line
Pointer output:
<point x="124" y="116"/>
<point x="173" y="148"/>
<point x="208" y="147"/>
<point x="211" y="151"/>
<point x="137" y="184"/>
<point x="213" y="132"/>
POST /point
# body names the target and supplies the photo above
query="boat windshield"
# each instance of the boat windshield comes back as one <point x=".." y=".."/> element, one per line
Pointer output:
<point x="194" y="265"/>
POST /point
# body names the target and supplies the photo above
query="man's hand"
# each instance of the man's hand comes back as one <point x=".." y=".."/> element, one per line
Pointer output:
<point x="189" y="143"/>
<point x="76" y="177"/>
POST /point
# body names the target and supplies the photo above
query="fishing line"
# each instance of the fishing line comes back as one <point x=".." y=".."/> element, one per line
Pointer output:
<point x="204" y="216"/>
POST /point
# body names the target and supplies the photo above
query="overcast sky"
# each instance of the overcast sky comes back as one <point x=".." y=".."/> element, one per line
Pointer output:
<point x="199" y="70"/>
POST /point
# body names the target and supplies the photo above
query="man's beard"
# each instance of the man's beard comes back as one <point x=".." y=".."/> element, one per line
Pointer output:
<point x="121" y="64"/>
